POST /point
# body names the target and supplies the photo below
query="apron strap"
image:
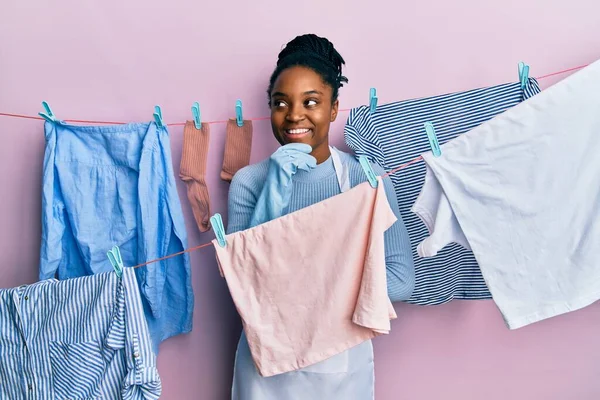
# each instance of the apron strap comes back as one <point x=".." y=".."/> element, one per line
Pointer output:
<point x="341" y="171"/>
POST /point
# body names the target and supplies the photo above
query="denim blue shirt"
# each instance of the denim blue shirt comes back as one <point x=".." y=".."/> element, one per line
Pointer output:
<point x="114" y="185"/>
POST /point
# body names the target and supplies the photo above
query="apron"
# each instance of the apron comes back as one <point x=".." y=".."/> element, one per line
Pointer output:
<point x="345" y="376"/>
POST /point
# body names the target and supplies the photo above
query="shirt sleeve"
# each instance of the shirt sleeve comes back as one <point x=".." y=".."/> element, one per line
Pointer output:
<point x="361" y="136"/>
<point x="398" y="254"/>
<point x="142" y="381"/>
<point x="53" y="212"/>
<point x="434" y="209"/>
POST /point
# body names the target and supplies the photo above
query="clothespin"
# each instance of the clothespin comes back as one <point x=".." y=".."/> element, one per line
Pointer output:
<point x="433" y="141"/>
<point x="196" y="114"/>
<point x="239" y="118"/>
<point x="217" y="224"/>
<point x="373" y="100"/>
<point x="158" y="117"/>
<point x="366" y="166"/>
<point x="48" y="115"/>
<point x="523" y="74"/>
<point x="114" y="256"/>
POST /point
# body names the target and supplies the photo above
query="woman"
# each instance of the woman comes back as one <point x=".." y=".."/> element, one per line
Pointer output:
<point x="303" y="97"/>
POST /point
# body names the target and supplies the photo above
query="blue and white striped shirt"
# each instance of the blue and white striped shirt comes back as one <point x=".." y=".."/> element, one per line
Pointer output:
<point x="394" y="135"/>
<point x="82" y="338"/>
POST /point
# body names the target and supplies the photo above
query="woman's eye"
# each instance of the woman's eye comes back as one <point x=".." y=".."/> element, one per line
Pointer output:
<point x="311" y="103"/>
<point x="279" y="103"/>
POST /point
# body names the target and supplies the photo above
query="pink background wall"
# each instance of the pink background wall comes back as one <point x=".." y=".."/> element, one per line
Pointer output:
<point x="113" y="60"/>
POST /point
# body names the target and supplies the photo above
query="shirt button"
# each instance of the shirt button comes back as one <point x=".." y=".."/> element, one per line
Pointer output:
<point x="136" y="355"/>
<point x="30" y="386"/>
<point x="26" y="297"/>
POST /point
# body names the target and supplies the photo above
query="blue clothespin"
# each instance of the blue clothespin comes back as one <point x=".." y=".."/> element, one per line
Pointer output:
<point x="158" y="117"/>
<point x="217" y="224"/>
<point x="366" y="166"/>
<point x="114" y="256"/>
<point x="373" y="100"/>
<point x="239" y="119"/>
<point x="433" y="141"/>
<point x="48" y="115"/>
<point x="196" y="114"/>
<point x="523" y="74"/>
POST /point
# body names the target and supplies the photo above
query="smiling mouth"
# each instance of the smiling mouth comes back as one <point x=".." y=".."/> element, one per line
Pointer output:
<point x="297" y="133"/>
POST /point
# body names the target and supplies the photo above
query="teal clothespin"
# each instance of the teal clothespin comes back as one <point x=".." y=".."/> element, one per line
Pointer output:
<point x="523" y="74"/>
<point x="196" y="114"/>
<point x="48" y="115"/>
<point x="433" y="141"/>
<point x="239" y="118"/>
<point x="158" y="117"/>
<point x="373" y="100"/>
<point x="114" y="256"/>
<point x="366" y="166"/>
<point x="217" y="224"/>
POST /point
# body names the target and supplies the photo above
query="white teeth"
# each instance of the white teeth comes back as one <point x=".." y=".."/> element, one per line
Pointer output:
<point x="297" y="131"/>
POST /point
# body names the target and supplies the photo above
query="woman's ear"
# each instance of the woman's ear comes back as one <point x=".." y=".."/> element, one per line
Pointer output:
<point x="334" y="110"/>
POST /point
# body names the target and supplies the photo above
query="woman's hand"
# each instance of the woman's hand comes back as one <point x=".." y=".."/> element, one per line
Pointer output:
<point x="276" y="192"/>
<point x="290" y="158"/>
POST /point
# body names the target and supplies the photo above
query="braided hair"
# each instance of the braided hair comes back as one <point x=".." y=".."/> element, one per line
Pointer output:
<point x="316" y="53"/>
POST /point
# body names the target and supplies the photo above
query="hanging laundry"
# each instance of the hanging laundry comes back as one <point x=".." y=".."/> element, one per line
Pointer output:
<point x="523" y="189"/>
<point x="395" y="135"/>
<point x="114" y="185"/>
<point x="81" y="338"/>
<point x="192" y="171"/>
<point x="295" y="311"/>
<point x="346" y="375"/>
<point x="238" y="144"/>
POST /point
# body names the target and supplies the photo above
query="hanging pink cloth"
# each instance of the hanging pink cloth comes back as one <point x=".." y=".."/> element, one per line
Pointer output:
<point x="312" y="284"/>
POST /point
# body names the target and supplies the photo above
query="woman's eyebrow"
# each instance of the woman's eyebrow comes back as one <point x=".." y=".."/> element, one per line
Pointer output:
<point x="280" y="94"/>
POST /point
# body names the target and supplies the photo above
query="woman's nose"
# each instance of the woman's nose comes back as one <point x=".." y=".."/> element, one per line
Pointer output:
<point x="295" y="114"/>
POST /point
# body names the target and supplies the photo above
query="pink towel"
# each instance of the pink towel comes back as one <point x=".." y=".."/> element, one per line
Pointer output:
<point x="312" y="284"/>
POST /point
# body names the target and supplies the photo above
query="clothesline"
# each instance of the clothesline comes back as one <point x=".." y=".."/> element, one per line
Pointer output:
<point x="82" y="121"/>
<point x="200" y="246"/>
<point x="405" y="165"/>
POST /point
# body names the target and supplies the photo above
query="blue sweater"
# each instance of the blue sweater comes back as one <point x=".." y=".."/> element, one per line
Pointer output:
<point x="315" y="186"/>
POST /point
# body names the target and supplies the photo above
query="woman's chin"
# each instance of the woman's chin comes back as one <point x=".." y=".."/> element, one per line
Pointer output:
<point x="304" y="138"/>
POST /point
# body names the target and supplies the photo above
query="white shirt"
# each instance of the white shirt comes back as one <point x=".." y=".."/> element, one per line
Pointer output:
<point x="523" y="192"/>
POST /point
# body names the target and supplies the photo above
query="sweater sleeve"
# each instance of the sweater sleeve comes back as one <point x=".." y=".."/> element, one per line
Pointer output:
<point x="244" y="189"/>
<point x="398" y="254"/>
<point x="241" y="202"/>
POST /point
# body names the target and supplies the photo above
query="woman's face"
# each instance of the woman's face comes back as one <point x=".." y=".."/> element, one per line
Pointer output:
<point x="301" y="110"/>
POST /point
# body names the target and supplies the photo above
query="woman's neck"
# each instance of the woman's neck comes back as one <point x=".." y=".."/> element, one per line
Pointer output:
<point x="321" y="153"/>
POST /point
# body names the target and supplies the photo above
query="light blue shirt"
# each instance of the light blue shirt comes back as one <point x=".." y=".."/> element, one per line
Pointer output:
<point x="81" y="338"/>
<point x="114" y="185"/>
